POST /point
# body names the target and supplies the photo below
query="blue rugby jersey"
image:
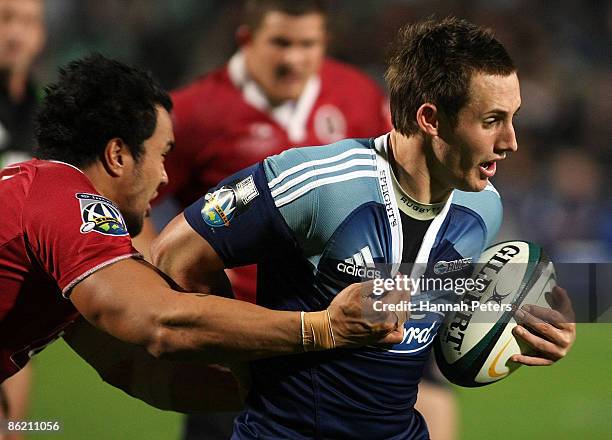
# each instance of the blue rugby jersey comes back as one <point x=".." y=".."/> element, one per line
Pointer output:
<point x="310" y="217"/>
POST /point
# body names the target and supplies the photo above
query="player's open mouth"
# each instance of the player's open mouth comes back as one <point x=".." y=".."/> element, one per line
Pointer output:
<point x="488" y="168"/>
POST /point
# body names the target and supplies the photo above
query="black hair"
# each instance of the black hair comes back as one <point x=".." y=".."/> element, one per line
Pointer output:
<point x="97" y="99"/>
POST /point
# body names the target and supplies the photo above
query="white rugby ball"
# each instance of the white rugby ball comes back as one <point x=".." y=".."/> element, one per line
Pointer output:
<point x="475" y="344"/>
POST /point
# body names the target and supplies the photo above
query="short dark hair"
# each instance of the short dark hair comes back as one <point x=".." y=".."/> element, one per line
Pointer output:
<point x="433" y="61"/>
<point x="254" y="11"/>
<point x="97" y="99"/>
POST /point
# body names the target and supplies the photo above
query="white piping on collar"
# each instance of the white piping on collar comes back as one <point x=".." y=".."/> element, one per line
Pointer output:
<point x="393" y="214"/>
<point x="67" y="164"/>
<point x="382" y="144"/>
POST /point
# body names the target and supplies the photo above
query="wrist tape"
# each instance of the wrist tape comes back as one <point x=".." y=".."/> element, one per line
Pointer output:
<point x="317" y="333"/>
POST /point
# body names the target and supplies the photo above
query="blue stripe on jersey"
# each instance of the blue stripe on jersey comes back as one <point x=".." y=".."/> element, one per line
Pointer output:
<point x="307" y="169"/>
<point x="338" y="195"/>
<point x="340" y="156"/>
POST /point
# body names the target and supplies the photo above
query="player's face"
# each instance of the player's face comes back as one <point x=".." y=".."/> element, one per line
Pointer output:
<point x="149" y="174"/>
<point x="22" y="33"/>
<point x="284" y="52"/>
<point x="467" y="154"/>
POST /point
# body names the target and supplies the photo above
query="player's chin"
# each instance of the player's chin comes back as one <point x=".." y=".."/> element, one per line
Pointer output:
<point x="473" y="183"/>
<point x="481" y="184"/>
<point x="134" y="224"/>
<point x="290" y="89"/>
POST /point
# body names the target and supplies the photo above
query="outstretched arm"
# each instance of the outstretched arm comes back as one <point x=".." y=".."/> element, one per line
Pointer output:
<point x="133" y="302"/>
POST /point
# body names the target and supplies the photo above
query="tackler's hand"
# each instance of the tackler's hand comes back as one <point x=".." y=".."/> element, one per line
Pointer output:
<point x="362" y="315"/>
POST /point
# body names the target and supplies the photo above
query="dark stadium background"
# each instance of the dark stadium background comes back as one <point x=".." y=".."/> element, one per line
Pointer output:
<point x="556" y="190"/>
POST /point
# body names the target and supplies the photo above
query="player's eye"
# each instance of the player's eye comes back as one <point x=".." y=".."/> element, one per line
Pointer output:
<point x="307" y="44"/>
<point x="489" y="122"/>
<point x="281" y="42"/>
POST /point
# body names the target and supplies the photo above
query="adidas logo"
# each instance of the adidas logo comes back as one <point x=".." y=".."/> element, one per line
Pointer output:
<point x="361" y="265"/>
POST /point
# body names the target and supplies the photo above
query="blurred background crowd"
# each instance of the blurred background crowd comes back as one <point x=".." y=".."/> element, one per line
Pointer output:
<point x="556" y="191"/>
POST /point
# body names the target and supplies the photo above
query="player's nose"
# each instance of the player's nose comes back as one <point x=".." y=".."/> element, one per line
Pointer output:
<point x="164" y="177"/>
<point x="293" y="56"/>
<point x="507" y="140"/>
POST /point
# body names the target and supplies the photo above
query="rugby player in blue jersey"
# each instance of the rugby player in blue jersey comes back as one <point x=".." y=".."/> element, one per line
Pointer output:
<point x="317" y="218"/>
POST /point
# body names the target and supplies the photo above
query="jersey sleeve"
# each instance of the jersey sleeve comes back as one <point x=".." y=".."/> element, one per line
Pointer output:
<point x="317" y="188"/>
<point x="240" y="220"/>
<point x="71" y="231"/>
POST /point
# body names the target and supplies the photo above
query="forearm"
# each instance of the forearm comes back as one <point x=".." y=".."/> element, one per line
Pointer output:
<point x="17" y="392"/>
<point x="217" y="329"/>
<point x="131" y="301"/>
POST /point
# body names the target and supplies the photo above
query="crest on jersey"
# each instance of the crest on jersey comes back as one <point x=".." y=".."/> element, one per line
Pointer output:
<point x="329" y="124"/>
<point x="222" y="205"/>
<point x="442" y="267"/>
<point x="219" y="207"/>
<point x="100" y="215"/>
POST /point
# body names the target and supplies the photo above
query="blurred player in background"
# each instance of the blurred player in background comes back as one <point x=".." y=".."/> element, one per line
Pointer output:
<point x="418" y="194"/>
<point x="277" y="91"/>
<point x="22" y="37"/>
<point x="103" y="132"/>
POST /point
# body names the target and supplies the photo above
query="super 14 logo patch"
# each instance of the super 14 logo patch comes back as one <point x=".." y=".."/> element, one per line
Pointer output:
<point x="221" y="206"/>
<point x="100" y="215"/>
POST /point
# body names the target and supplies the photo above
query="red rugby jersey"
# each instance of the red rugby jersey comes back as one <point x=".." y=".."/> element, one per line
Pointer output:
<point x="55" y="231"/>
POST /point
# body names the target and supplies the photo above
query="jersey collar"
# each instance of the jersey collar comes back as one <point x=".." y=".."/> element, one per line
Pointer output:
<point x="412" y="208"/>
<point x="381" y="145"/>
<point x="291" y="115"/>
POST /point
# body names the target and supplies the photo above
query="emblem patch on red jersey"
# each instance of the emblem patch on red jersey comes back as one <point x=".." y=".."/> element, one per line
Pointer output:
<point x="100" y="215"/>
<point x="330" y="124"/>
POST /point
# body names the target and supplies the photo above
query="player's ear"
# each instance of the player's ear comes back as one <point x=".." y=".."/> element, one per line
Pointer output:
<point x="115" y="157"/>
<point x="244" y="35"/>
<point x="428" y="119"/>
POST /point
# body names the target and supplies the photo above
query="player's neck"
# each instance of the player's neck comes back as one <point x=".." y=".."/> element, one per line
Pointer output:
<point x="15" y="84"/>
<point x="100" y="179"/>
<point x="412" y="169"/>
